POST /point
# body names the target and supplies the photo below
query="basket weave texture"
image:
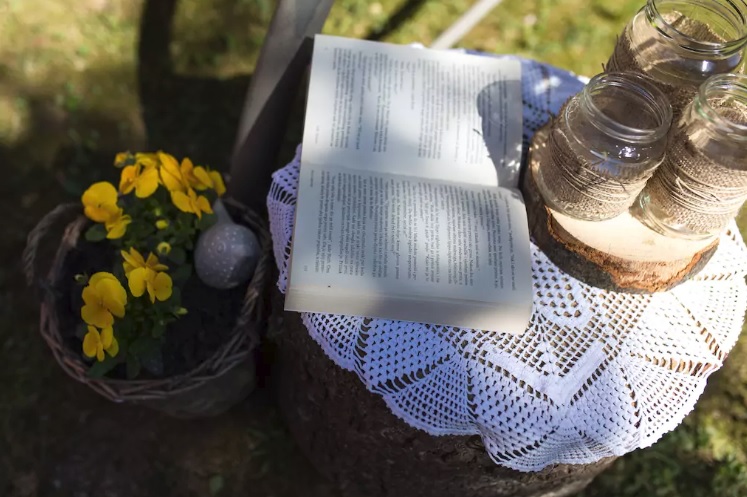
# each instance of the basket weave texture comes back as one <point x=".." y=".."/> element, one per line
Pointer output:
<point x="210" y="388"/>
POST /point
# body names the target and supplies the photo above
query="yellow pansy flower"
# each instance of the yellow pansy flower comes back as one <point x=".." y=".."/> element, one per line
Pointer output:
<point x="191" y="202"/>
<point x="218" y="184"/>
<point x="162" y="224"/>
<point x="143" y="179"/>
<point x="95" y="343"/>
<point x="183" y="177"/>
<point x="147" y="159"/>
<point x="116" y="225"/>
<point x="104" y="297"/>
<point x="100" y="201"/>
<point x="134" y="259"/>
<point x="145" y="275"/>
<point x="158" y="285"/>
<point x="120" y="158"/>
<point x="171" y="174"/>
<point x="163" y="248"/>
<point x="197" y="176"/>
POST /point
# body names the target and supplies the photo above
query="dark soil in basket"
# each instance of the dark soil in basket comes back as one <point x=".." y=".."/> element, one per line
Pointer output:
<point x="190" y="340"/>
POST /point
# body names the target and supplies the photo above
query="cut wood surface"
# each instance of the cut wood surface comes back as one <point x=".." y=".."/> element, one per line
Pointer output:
<point x="618" y="254"/>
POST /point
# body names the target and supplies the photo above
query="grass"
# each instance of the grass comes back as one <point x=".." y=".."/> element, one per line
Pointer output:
<point x="74" y="90"/>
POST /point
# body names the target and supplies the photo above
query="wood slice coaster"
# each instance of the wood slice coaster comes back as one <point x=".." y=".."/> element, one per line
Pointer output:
<point x="619" y="254"/>
<point x="353" y="439"/>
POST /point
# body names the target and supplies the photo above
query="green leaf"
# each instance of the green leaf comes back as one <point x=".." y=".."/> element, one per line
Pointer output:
<point x="139" y="230"/>
<point x="158" y="330"/>
<point x="149" y="229"/>
<point x="182" y="274"/>
<point x="99" y="369"/>
<point x="179" y="311"/>
<point x="96" y="233"/>
<point x="206" y="221"/>
<point x="118" y="270"/>
<point x="216" y="484"/>
<point x="184" y="218"/>
<point x="148" y="352"/>
<point x="177" y="255"/>
<point x="176" y="295"/>
<point x="133" y="366"/>
<point x="144" y="345"/>
<point x="153" y="362"/>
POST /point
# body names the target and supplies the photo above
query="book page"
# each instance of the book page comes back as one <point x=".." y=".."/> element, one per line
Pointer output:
<point x="362" y="236"/>
<point x="412" y="111"/>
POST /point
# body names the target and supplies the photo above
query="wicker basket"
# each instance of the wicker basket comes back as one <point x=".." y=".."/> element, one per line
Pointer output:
<point x="210" y="388"/>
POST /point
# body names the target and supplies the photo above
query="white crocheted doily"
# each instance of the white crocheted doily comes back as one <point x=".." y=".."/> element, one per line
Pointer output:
<point x="596" y="374"/>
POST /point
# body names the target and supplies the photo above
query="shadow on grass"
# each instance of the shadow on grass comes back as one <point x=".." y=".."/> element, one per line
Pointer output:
<point x="194" y="116"/>
<point x="58" y="438"/>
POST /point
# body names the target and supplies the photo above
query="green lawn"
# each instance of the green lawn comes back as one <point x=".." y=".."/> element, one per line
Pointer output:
<point x="74" y="90"/>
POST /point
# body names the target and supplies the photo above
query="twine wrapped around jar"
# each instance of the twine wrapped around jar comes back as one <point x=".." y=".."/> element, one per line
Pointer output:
<point x="695" y="191"/>
<point x="702" y="182"/>
<point x="583" y="184"/>
<point x="680" y="51"/>
<point x="603" y="146"/>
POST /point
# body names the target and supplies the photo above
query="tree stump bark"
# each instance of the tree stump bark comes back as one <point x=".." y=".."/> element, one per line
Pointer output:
<point x="353" y="439"/>
<point x="618" y="254"/>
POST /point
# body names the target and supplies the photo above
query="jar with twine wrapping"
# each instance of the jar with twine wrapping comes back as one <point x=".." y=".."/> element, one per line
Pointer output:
<point x="702" y="182"/>
<point x="680" y="43"/>
<point x="603" y="146"/>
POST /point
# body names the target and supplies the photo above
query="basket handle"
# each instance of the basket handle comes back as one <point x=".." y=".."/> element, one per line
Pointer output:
<point x="254" y="301"/>
<point x="38" y="233"/>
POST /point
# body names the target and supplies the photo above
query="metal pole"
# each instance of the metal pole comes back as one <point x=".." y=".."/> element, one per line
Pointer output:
<point x="464" y="24"/>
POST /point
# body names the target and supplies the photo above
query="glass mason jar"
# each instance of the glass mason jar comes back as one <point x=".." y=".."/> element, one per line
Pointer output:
<point x="681" y="43"/>
<point x="702" y="182"/>
<point x="603" y="146"/>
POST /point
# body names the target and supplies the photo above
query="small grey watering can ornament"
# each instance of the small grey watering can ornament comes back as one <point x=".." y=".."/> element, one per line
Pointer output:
<point x="226" y="253"/>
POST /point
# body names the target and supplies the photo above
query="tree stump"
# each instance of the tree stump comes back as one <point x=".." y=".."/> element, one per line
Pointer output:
<point x="353" y="439"/>
<point x="619" y="254"/>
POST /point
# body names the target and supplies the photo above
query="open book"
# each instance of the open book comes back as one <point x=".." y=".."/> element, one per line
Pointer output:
<point x="407" y="201"/>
